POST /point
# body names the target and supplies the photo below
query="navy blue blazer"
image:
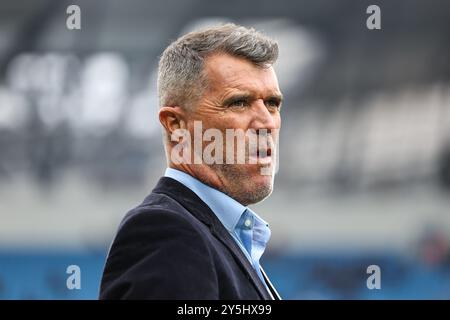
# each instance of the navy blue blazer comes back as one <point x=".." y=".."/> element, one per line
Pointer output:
<point x="172" y="246"/>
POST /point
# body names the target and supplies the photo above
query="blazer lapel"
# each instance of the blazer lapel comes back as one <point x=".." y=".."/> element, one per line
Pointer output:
<point x="224" y="236"/>
<point x="189" y="200"/>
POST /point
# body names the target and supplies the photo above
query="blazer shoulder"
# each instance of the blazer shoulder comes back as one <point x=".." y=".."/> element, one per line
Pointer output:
<point x="158" y="247"/>
<point x="156" y="209"/>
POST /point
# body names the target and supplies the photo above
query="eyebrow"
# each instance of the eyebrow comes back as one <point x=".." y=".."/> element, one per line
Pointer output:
<point x="249" y="96"/>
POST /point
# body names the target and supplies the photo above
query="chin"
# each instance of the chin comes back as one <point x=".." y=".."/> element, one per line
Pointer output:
<point x="260" y="180"/>
<point x="258" y="188"/>
<point x="247" y="184"/>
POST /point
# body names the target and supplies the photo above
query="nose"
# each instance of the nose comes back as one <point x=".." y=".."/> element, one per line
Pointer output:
<point x="264" y="119"/>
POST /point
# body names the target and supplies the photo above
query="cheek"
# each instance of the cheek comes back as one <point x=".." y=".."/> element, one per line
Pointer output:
<point x="229" y="122"/>
<point x="277" y="118"/>
<point x="238" y="120"/>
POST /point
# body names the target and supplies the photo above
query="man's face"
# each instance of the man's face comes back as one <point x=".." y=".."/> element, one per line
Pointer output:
<point x="242" y="96"/>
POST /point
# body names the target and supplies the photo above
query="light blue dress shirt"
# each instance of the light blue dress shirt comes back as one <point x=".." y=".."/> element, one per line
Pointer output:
<point x="249" y="230"/>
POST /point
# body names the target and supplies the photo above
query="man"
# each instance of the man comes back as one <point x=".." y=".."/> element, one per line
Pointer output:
<point x="194" y="237"/>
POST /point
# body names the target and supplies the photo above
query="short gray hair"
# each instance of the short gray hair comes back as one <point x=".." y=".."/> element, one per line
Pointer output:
<point x="181" y="80"/>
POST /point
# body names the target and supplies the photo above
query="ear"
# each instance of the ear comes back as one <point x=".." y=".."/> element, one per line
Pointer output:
<point x="172" y="118"/>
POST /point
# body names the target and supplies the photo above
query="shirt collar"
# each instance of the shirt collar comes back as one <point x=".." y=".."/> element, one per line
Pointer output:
<point x="227" y="210"/>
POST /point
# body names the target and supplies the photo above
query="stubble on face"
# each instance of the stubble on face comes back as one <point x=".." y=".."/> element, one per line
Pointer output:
<point x="230" y="76"/>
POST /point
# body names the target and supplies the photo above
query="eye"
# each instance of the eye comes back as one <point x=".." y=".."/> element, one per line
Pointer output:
<point x="273" y="104"/>
<point x="238" y="103"/>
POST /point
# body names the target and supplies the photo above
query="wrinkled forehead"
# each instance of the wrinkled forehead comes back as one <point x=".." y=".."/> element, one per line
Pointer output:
<point x="225" y="72"/>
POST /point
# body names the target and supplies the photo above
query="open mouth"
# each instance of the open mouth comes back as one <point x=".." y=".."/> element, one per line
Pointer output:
<point x="263" y="156"/>
<point x="263" y="153"/>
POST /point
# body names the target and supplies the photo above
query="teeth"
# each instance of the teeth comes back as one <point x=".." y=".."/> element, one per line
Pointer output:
<point x="265" y="153"/>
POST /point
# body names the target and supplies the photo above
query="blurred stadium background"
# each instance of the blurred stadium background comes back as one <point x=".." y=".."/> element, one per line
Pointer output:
<point x="365" y="148"/>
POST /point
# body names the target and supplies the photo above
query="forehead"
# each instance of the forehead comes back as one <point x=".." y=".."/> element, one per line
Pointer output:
<point x="226" y="72"/>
